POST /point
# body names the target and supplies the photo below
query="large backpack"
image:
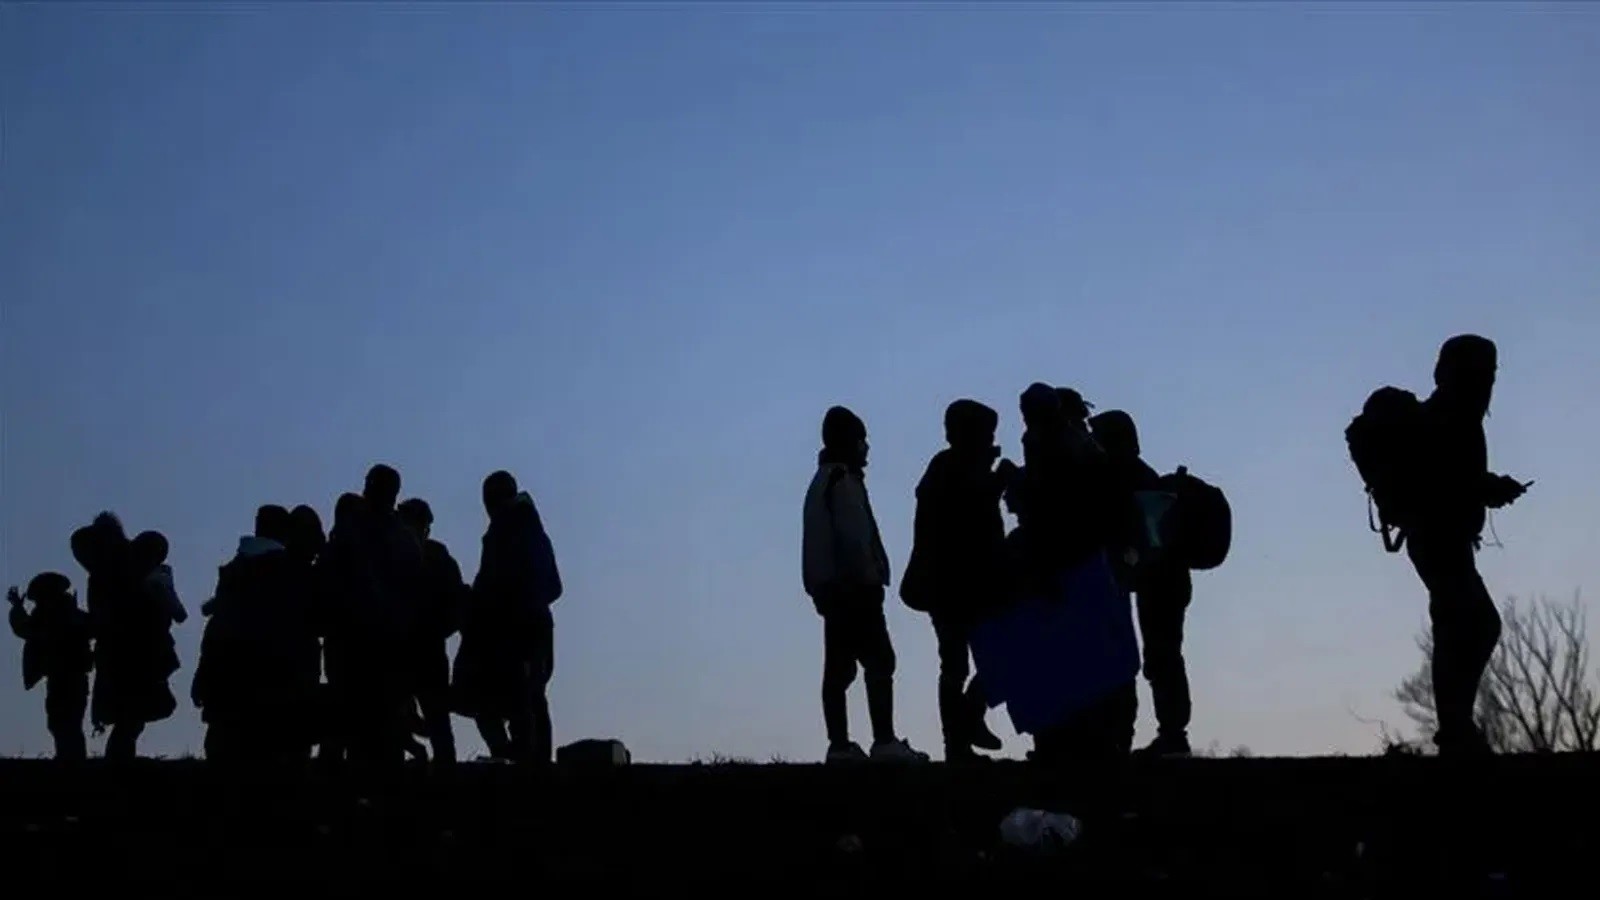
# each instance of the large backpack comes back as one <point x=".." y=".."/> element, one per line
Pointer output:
<point x="1385" y="445"/>
<point x="1199" y="527"/>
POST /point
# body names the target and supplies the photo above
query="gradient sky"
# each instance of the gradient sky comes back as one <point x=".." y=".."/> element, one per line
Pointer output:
<point x="633" y="252"/>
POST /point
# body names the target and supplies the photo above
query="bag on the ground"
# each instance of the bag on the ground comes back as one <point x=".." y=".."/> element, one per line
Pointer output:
<point x="1199" y="525"/>
<point x="1384" y="442"/>
<point x="594" y="753"/>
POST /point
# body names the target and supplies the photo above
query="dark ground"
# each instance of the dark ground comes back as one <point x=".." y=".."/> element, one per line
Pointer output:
<point x="1283" y="828"/>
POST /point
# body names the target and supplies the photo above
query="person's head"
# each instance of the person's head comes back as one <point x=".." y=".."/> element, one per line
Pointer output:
<point x="382" y="489"/>
<point x="305" y="531"/>
<point x="844" y="436"/>
<point x="149" y="550"/>
<point x="102" y="544"/>
<point x="273" y="523"/>
<point x="499" y="491"/>
<point x="969" y="425"/>
<point x="347" y="512"/>
<point x="1074" y="409"/>
<point x="1040" y="405"/>
<point x="50" y="588"/>
<point x="417" y="516"/>
<point x="1114" y="430"/>
<point x="1466" y="370"/>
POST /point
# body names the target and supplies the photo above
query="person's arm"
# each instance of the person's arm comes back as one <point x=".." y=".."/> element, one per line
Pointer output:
<point x="853" y="539"/>
<point x="21" y="622"/>
<point x="456" y="592"/>
<point x="169" y="597"/>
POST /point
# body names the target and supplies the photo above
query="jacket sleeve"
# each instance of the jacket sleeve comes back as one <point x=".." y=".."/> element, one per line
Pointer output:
<point x="167" y="594"/>
<point x="21" y="623"/>
<point x="855" y="539"/>
<point x="455" y="590"/>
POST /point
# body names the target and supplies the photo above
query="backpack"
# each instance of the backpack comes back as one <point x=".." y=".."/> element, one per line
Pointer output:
<point x="1199" y="526"/>
<point x="1384" y="442"/>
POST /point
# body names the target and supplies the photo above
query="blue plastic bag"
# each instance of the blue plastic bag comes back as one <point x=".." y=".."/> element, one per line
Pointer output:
<point x="1053" y="654"/>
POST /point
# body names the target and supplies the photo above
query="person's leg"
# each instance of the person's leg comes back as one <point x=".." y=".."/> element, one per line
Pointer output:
<point x="544" y="669"/>
<point x="838" y="673"/>
<point x="433" y="695"/>
<point x="65" y="704"/>
<point x="1162" y="606"/>
<point x="875" y="652"/>
<point x="530" y="728"/>
<point x="1466" y="628"/>
<point x="1122" y="713"/>
<point x="955" y="718"/>
<point x="123" y="742"/>
<point x="493" y="731"/>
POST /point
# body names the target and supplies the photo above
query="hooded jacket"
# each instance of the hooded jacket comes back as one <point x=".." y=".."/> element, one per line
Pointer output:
<point x="55" y="639"/>
<point x="517" y="573"/>
<point x="254" y="649"/>
<point x="958" y="544"/>
<point x="444" y="593"/>
<point x="1456" y="476"/>
<point x="840" y="544"/>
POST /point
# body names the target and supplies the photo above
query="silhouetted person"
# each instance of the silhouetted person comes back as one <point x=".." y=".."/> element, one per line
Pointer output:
<point x="845" y="571"/>
<point x="957" y="568"/>
<point x="507" y="653"/>
<point x="1164" y="586"/>
<point x="1456" y="490"/>
<point x="306" y="542"/>
<point x="350" y="609"/>
<point x="252" y="683"/>
<point x="134" y="653"/>
<point x="306" y="537"/>
<point x="150" y="550"/>
<point x="55" y="650"/>
<point x="1059" y="496"/>
<point x="395" y="562"/>
<point x="443" y="597"/>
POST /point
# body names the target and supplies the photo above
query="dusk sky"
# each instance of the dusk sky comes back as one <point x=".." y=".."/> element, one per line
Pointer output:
<point x="632" y="252"/>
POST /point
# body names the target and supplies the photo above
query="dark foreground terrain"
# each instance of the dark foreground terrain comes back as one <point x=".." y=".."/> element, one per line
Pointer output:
<point x="1329" y="827"/>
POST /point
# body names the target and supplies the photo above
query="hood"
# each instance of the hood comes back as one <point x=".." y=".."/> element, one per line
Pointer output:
<point x="519" y="513"/>
<point x="1114" y="430"/>
<point x="251" y="546"/>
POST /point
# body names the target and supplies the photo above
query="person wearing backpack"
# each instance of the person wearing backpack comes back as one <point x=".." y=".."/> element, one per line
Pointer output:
<point x="845" y="570"/>
<point x="1162" y="586"/>
<point x="957" y="567"/>
<point x="1455" y="489"/>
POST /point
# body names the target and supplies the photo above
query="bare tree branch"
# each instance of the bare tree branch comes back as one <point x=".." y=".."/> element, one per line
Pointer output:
<point x="1539" y="692"/>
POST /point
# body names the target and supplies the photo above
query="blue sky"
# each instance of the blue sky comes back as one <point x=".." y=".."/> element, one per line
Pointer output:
<point x="632" y="252"/>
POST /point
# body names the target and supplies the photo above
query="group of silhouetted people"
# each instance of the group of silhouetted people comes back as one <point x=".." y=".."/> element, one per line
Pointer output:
<point x="333" y="644"/>
<point x="1080" y="494"/>
<point x="1084" y="495"/>
<point x="337" y="642"/>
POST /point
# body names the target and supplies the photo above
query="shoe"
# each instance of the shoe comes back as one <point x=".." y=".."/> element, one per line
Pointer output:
<point x="897" y="751"/>
<point x="1166" y="747"/>
<point x="963" y="756"/>
<point x="1466" y="744"/>
<point x="848" y="752"/>
<point x="985" y="739"/>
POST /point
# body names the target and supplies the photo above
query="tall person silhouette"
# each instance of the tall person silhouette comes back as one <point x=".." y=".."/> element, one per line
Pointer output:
<point x="957" y="568"/>
<point x="845" y="571"/>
